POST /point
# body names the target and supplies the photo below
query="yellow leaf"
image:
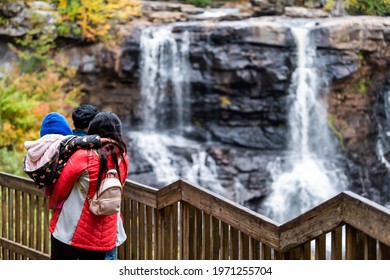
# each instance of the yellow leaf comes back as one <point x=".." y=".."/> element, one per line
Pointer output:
<point x="224" y="101"/>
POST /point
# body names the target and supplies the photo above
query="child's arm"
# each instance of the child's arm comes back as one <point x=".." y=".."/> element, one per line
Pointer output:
<point x="66" y="149"/>
<point x="47" y="175"/>
<point x="80" y="142"/>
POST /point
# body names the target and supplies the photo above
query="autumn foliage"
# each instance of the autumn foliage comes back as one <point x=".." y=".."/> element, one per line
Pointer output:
<point x="31" y="87"/>
<point x="93" y="19"/>
<point x="37" y="84"/>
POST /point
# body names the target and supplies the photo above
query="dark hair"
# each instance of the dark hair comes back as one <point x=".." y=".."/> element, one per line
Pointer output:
<point x="108" y="125"/>
<point x="83" y="115"/>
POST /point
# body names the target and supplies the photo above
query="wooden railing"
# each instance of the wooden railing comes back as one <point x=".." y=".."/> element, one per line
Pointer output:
<point x="183" y="221"/>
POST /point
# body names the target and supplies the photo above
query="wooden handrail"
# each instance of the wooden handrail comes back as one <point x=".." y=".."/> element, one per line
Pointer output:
<point x="367" y="216"/>
<point x="311" y="224"/>
<point x="22" y="249"/>
<point x="19" y="183"/>
<point x="141" y="193"/>
<point x="346" y="207"/>
<point x="243" y="219"/>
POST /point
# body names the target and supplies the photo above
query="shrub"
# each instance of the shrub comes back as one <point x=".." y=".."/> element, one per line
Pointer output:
<point x="199" y="3"/>
<point x="363" y="7"/>
<point x="91" y="19"/>
<point x="368" y="7"/>
<point x="34" y="86"/>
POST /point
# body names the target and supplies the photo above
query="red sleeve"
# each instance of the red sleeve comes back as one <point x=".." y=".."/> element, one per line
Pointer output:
<point x="124" y="168"/>
<point x="76" y="165"/>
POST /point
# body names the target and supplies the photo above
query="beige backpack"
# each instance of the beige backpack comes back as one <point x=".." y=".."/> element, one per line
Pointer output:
<point x="107" y="199"/>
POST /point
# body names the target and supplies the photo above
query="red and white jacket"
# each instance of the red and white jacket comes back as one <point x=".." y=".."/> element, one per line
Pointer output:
<point x="72" y="223"/>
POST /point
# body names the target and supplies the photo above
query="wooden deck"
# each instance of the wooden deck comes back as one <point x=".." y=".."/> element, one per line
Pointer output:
<point x="188" y="222"/>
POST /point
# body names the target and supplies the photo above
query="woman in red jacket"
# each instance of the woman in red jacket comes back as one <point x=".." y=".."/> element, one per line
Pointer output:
<point x="76" y="232"/>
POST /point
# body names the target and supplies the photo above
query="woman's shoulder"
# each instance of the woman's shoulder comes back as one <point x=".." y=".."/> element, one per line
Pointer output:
<point x="82" y="160"/>
<point x="84" y="154"/>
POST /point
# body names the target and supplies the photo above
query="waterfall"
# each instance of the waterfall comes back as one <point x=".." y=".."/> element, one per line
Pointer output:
<point x="383" y="146"/>
<point x="308" y="175"/>
<point x="154" y="148"/>
<point x="164" y="78"/>
<point x="203" y="171"/>
<point x="165" y="93"/>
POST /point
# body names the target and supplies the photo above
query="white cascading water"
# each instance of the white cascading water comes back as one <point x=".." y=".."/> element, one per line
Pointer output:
<point x="164" y="69"/>
<point x="164" y="81"/>
<point x="307" y="176"/>
<point x="382" y="146"/>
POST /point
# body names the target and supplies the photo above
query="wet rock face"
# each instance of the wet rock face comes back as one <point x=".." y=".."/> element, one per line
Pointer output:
<point x="357" y="55"/>
<point x="239" y="84"/>
<point x="240" y="76"/>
